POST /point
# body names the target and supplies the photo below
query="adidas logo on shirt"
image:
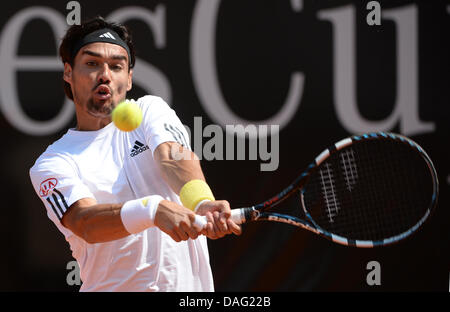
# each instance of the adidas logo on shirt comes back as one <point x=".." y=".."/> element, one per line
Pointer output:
<point x="138" y="148"/>
<point x="107" y="35"/>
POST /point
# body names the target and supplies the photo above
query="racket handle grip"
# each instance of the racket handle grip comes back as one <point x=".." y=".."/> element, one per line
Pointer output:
<point x="200" y="222"/>
<point x="237" y="215"/>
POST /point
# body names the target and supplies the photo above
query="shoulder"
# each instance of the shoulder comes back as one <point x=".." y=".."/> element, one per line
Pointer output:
<point x="54" y="158"/>
<point x="155" y="109"/>
<point x="151" y="102"/>
<point x="49" y="163"/>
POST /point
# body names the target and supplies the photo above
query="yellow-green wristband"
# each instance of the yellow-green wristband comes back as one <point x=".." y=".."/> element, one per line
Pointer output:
<point x="193" y="192"/>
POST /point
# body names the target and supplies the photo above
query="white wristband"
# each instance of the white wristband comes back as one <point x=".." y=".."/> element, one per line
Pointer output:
<point x="139" y="214"/>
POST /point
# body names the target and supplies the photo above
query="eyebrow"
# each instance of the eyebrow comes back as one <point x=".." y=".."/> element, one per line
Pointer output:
<point x="95" y="54"/>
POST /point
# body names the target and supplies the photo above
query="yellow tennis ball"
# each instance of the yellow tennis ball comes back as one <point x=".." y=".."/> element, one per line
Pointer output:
<point x="127" y="116"/>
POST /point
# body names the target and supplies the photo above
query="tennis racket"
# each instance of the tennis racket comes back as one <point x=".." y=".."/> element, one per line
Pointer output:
<point x="364" y="191"/>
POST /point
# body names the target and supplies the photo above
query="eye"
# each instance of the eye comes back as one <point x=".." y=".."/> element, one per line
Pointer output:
<point x="116" y="67"/>
<point x="91" y="63"/>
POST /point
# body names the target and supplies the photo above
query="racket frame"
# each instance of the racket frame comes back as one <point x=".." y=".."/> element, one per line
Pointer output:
<point x="259" y="212"/>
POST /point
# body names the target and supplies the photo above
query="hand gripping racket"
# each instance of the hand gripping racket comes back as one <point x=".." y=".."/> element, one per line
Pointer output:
<point x="364" y="191"/>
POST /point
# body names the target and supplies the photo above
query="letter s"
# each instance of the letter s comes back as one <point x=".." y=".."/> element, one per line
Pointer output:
<point x="9" y="63"/>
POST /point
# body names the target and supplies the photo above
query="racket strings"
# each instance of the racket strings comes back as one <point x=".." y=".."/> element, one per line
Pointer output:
<point x="391" y="206"/>
<point x="369" y="191"/>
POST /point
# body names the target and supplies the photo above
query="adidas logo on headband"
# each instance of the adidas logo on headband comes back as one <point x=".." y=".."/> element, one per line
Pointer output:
<point x="107" y="35"/>
<point x="101" y="35"/>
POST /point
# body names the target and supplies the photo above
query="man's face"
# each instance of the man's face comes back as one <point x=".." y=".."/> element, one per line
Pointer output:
<point x="99" y="78"/>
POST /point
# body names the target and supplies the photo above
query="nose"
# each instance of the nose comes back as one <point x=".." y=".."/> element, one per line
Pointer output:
<point x="104" y="75"/>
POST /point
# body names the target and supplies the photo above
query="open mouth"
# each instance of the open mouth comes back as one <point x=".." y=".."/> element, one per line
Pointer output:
<point x="102" y="92"/>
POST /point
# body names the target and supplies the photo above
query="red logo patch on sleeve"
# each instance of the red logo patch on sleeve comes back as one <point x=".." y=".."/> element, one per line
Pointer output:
<point x="47" y="186"/>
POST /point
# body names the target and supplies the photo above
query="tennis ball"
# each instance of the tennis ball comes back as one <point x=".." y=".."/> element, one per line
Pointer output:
<point x="127" y="116"/>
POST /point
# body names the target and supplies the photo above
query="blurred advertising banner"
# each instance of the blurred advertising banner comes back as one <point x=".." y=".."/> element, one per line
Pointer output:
<point x="262" y="87"/>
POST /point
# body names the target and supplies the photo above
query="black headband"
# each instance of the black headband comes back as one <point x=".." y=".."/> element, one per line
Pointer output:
<point x="102" y="35"/>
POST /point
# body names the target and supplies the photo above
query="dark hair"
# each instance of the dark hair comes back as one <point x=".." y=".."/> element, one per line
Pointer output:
<point x="76" y="32"/>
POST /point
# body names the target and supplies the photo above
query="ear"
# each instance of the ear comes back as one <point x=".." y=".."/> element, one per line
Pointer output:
<point x="67" y="73"/>
<point x="130" y="80"/>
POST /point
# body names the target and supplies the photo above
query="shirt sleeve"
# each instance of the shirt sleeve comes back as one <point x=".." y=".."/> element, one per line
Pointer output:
<point x="57" y="184"/>
<point x="161" y="123"/>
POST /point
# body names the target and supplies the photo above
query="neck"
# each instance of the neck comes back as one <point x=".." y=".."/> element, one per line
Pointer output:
<point x="88" y="122"/>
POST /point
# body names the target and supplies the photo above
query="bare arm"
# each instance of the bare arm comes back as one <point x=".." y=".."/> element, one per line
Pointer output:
<point x="97" y="223"/>
<point x="179" y="166"/>
<point x="178" y="170"/>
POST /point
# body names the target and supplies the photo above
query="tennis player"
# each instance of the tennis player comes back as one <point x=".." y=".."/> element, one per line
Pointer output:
<point x="122" y="201"/>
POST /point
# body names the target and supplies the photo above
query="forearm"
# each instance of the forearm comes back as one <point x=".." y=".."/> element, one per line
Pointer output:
<point x="177" y="171"/>
<point x="96" y="223"/>
<point x="99" y="223"/>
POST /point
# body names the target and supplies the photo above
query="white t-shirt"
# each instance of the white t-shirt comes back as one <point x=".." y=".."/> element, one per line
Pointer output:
<point x="113" y="167"/>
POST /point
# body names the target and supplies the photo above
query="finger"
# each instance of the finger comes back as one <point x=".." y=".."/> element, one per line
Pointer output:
<point x="174" y="235"/>
<point x="205" y="231"/>
<point x="220" y="225"/>
<point x="215" y="228"/>
<point x="234" y="228"/>
<point x="189" y="230"/>
<point x="209" y="229"/>
<point x="224" y="208"/>
<point x="225" y="214"/>
<point x="210" y="233"/>
<point x="221" y="222"/>
<point x="181" y="233"/>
